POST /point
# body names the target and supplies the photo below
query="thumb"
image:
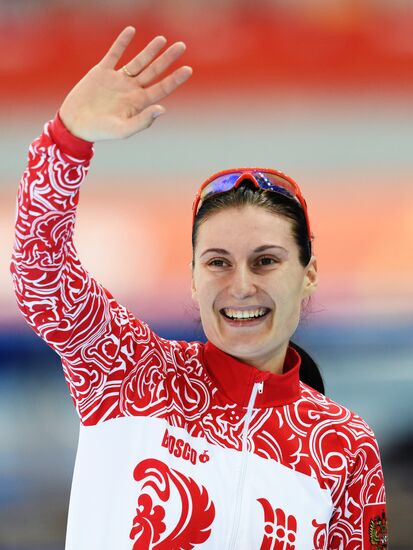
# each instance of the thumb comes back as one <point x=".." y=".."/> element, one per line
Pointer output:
<point x="143" y="120"/>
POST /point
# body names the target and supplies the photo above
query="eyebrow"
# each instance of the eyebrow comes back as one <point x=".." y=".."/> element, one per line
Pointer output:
<point x="224" y="252"/>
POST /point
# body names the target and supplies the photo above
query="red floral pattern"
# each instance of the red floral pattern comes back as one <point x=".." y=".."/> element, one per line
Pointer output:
<point x="115" y="366"/>
<point x="197" y="511"/>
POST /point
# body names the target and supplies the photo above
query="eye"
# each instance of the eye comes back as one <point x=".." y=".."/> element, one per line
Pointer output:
<point x="267" y="261"/>
<point x="217" y="262"/>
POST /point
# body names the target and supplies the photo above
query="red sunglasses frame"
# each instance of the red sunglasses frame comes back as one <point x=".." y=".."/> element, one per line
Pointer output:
<point x="248" y="173"/>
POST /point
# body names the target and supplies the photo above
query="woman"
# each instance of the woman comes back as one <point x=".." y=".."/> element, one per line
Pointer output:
<point x="183" y="444"/>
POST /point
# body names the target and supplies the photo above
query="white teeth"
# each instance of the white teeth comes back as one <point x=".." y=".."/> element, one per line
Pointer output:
<point x="245" y="314"/>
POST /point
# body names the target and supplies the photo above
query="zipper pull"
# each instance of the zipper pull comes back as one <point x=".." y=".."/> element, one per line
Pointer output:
<point x="260" y="386"/>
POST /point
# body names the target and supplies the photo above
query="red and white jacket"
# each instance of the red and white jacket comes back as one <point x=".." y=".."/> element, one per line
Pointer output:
<point x="181" y="446"/>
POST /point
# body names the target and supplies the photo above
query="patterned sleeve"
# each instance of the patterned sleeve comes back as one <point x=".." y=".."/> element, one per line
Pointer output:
<point x="94" y="335"/>
<point x="359" y="519"/>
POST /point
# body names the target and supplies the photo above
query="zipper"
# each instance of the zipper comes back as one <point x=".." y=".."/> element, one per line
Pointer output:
<point x="257" y="388"/>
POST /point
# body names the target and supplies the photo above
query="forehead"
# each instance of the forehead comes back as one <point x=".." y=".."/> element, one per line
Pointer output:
<point x="243" y="228"/>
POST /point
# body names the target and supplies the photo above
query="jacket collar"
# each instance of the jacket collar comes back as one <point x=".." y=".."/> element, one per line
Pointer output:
<point x="235" y="379"/>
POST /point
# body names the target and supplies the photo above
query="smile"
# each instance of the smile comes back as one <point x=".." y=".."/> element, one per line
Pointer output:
<point x="244" y="315"/>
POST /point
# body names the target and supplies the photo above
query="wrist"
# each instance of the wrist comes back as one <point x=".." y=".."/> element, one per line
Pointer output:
<point x="68" y="142"/>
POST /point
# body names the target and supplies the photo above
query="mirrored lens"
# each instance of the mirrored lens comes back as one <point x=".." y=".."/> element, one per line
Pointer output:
<point x="220" y="184"/>
<point x="267" y="180"/>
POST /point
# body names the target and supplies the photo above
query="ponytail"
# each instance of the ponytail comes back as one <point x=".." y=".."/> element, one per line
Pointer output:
<point x="309" y="371"/>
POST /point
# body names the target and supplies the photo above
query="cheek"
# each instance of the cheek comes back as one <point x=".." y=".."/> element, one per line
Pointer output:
<point x="288" y="294"/>
<point x="201" y="292"/>
<point x="207" y="294"/>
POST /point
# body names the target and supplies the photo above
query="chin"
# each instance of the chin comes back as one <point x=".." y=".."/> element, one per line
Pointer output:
<point x="243" y="348"/>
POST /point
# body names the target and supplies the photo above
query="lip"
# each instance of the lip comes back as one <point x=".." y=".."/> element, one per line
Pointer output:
<point x="245" y="324"/>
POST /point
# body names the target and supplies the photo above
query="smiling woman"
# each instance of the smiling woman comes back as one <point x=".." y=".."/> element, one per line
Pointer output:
<point x="250" y="291"/>
<point x="186" y="444"/>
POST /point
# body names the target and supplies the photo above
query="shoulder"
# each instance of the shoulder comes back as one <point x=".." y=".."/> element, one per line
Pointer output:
<point x="352" y="432"/>
<point x="180" y="355"/>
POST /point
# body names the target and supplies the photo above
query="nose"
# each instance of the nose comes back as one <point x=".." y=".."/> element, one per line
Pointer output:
<point x="242" y="284"/>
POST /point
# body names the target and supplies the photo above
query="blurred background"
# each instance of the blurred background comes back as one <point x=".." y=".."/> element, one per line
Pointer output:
<point x="322" y="90"/>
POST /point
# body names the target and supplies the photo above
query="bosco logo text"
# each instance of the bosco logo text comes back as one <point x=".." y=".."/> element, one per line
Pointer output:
<point x="182" y="449"/>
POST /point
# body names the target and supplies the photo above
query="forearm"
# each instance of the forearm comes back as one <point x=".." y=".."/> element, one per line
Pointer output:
<point x="44" y="258"/>
<point x="59" y="299"/>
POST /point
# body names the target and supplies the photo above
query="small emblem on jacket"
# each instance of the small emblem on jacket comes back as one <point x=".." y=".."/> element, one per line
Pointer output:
<point x="378" y="532"/>
<point x="182" y="449"/>
<point x="375" y="526"/>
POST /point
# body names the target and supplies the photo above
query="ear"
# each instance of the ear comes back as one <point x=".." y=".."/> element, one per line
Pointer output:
<point x="310" y="278"/>
<point x="193" y="287"/>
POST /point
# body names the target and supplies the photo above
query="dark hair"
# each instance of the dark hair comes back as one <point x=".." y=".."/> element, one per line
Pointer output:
<point x="248" y="195"/>
<point x="309" y="372"/>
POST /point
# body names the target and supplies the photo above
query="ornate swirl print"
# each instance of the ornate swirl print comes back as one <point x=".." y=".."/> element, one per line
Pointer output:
<point x="113" y="363"/>
<point x="164" y="488"/>
<point x="320" y="535"/>
<point x="115" y="366"/>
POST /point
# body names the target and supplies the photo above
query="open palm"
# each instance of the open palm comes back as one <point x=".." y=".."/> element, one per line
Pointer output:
<point x="108" y="103"/>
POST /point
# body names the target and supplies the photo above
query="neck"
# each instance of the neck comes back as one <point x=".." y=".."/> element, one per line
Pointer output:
<point x="235" y="379"/>
<point x="273" y="363"/>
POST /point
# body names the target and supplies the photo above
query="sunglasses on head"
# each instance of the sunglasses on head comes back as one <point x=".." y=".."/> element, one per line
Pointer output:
<point x="267" y="179"/>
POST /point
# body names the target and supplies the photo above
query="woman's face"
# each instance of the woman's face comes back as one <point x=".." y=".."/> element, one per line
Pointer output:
<point x="249" y="283"/>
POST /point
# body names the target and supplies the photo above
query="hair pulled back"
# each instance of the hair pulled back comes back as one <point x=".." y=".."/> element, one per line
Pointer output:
<point x="248" y="195"/>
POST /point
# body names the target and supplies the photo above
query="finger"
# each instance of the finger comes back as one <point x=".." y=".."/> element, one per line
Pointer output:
<point x="115" y="52"/>
<point x="160" y="64"/>
<point x="168" y="85"/>
<point x="146" y="56"/>
<point x="143" y="120"/>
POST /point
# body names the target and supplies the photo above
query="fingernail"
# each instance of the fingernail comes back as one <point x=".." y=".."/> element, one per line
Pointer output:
<point x="158" y="113"/>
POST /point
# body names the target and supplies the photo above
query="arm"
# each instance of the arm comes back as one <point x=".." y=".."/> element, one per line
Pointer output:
<point x="75" y="315"/>
<point x="359" y="520"/>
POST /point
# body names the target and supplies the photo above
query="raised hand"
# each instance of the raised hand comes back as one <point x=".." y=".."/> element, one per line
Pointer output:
<point x="111" y="103"/>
